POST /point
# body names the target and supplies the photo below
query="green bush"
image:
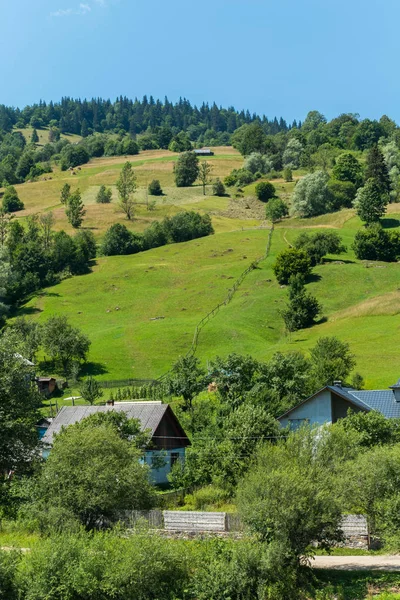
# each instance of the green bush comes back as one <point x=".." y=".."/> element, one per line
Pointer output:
<point x="218" y="188"/>
<point x="374" y="243"/>
<point x="11" y="201"/>
<point x="265" y="191"/>
<point x="104" y="195"/>
<point x="291" y="262"/>
<point x="119" y="240"/>
<point x="287" y="174"/>
<point x="155" y="188"/>
<point x="211" y="495"/>
<point x="276" y="209"/>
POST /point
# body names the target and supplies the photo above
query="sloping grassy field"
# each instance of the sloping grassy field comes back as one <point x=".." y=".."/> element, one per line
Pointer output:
<point x="117" y="305"/>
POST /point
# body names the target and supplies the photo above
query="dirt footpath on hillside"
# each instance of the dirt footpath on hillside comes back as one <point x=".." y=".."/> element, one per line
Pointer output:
<point x="384" y="562"/>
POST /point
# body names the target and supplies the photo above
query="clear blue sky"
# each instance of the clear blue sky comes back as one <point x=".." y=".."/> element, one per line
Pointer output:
<point x="281" y="57"/>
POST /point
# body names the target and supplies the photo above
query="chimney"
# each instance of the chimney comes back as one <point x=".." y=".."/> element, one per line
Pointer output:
<point x="337" y="383"/>
<point x="396" y="391"/>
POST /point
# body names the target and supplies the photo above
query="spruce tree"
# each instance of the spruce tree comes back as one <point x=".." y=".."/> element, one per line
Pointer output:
<point x="370" y="202"/>
<point x="377" y="169"/>
<point x="302" y="308"/>
<point x="34" y="137"/>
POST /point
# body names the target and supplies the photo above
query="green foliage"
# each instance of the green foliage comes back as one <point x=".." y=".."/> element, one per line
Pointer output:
<point x="287" y="498"/>
<point x="154" y="188"/>
<point x="250" y="138"/>
<point x="234" y="375"/>
<point x="73" y="155"/>
<point x="8" y="580"/>
<point x="291" y="261"/>
<point x="292" y="154"/>
<point x="75" y="209"/>
<point x="218" y="188"/>
<point x="312" y="196"/>
<point x="65" y="193"/>
<point x="34" y="137"/>
<point x="205" y="170"/>
<point x="104" y="195"/>
<point x="372" y="428"/>
<point x="377" y="170"/>
<point x="64" y="343"/>
<point x="119" y="240"/>
<point x="342" y="193"/>
<point x="106" y="566"/>
<point x="371" y="201"/>
<point x="332" y="361"/>
<point x="375" y="243"/>
<point x="208" y="496"/>
<point x="276" y="209"/>
<point x="187" y="379"/>
<point x="93" y="472"/>
<point x="90" y="390"/>
<point x="20" y="402"/>
<point x="302" y="309"/>
<point x="186" y="169"/>
<point x="287" y="174"/>
<point x="258" y="163"/>
<point x="180" y="143"/>
<point x="348" y="168"/>
<point x="319" y="244"/>
<point x="265" y="191"/>
<point x="126" y="186"/>
<point x="11" y="201"/>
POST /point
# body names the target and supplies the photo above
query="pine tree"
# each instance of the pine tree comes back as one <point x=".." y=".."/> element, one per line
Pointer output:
<point x="370" y="202"/>
<point x="302" y="308"/>
<point x="34" y="137"/>
<point x="377" y="169"/>
<point x="75" y="210"/>
<point x="84" y="129"/>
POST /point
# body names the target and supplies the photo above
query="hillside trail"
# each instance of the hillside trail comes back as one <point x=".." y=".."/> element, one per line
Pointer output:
<point x="383" y="562"/>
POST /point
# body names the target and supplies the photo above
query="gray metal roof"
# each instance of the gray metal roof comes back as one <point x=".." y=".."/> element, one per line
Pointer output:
<point x="347" y="394"/>
<point x="149" y="414"/>
<point x="381" y="400"/>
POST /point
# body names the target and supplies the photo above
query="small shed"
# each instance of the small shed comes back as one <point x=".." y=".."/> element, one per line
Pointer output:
<point x="46" y="385"/>
<point x="204" y="152"/>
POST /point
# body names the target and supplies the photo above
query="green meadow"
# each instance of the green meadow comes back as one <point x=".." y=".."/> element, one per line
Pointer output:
<point x="140" y="311"/>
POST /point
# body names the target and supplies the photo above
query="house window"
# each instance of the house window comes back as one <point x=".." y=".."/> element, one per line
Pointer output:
<point x="296" y="423"/>
<point x="174" y="458"/>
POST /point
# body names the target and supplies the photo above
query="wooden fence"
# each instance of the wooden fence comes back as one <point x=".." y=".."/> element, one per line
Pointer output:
<point x="114" y="383"/>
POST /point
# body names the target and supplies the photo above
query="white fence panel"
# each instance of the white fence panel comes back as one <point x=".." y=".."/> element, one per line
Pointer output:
<point x="177" y="520"/>
<point x="354" y="525"/>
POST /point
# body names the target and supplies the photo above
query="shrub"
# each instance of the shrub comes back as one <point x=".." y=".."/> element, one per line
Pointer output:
<point x="374" y="243"/>
<point x="207" y="496"/>
<point x="73" y="155"/>
<point x="244" y="177"/>
<point x="230" y="180"/>
<point x="104" y="195"/>
<point x="119" y="240"/>
<point x="186" y="226"/>
<point x="319" y="244"/>
<point x="11" y="201"/>
<point x="291" y="262"/>
<point x="265" y="191"/>
<point x="218" y="188"/>
<point x="311" y="195"/>
<point x="302" y="309"/>
<point x="343" y="193"/>
<point x="186" y="169"/>
<point x="287" y="174"/>
<point x="258" y="163"/>
<point x="276" y="209"/>
<point x="155" y="188"/>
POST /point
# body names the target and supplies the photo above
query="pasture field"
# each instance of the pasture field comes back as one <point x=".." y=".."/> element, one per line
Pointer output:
<point x="44" y="135"/>
<point x="118" y="304"/>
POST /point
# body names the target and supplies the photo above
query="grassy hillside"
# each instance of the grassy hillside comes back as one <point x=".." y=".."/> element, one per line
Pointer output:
<point x="116" y="304"/>
<point x="44" y="135"/>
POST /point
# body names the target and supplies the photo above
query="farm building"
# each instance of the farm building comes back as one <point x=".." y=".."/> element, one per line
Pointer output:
<point x="204" y="152"/>
<point x="333" y="402"/>
<point x="168" y="438"/>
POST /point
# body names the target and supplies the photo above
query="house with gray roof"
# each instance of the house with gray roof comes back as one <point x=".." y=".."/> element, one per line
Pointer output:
<point x="333" y="402"/>
<point x="168" y="439"/>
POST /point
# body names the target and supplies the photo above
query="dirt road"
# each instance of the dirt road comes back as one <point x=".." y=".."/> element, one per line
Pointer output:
<point x="384" y="562"/>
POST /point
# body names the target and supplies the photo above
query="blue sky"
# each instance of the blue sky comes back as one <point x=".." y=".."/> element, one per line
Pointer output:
<point x="282" y="58"/>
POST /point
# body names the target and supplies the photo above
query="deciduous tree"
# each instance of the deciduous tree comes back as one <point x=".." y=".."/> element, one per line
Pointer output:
<point x="75" y="209"/>
<point x="126" y="186"/>
<point x="205" y="170"/>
